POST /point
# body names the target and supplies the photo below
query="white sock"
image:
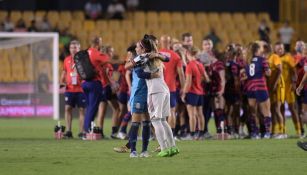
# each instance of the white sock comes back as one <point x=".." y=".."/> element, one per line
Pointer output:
<point x="168" y="134"/>
<point x="160" y="134"/>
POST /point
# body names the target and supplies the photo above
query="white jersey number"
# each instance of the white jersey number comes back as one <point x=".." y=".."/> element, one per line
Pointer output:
<point x="252" y="69"/>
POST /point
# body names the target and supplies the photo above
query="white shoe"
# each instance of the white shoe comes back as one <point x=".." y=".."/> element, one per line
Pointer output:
<point x="177" y="139"/>
<point x="187" y="137"/>
<point x="302" y="136"/>
<point x="121" y="135"/>
<point x="255" y="137"/>
<point x="242" y="135"/>
<point x="144" y="154"/>
<point x="207" y="135"/>
<point x="134" y="154"/>
<point x="278" y="136"/>
<point x="267" y="136"/>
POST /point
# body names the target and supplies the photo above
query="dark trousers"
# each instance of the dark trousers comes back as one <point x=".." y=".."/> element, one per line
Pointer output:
<point x="93" y="93"/>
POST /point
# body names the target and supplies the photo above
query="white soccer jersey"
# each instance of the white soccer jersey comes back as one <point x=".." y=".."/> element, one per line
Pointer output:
<point x="156" y="85"/>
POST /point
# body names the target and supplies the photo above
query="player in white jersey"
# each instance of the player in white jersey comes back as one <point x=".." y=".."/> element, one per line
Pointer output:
<point x="158" y="98"/>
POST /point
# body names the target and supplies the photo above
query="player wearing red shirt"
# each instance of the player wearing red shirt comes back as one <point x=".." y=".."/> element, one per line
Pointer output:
<point x="299" y="60"/>
<point x="192" y="93"/>
<point x="172" y="69"/>
<point x="93" y="88"/>
<point x="108" y="93"/>
<point x="302" y="89"/>
<point x="74" y="96"/>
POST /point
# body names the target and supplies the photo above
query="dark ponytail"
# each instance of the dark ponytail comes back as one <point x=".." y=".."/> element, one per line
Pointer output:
<point x="148" y="43"/>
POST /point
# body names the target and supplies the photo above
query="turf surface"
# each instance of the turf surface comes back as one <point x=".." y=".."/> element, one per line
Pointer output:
<point x="27" y="147"/>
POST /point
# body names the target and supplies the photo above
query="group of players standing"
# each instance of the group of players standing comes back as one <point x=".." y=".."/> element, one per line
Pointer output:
<point x="243" y="86"/>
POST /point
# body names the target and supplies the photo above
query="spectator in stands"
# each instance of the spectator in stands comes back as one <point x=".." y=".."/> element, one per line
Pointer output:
<point x="93" y="9"/>
<point x="8" y="25"/>
<point x="116" y="10"/>
<point x="286" y="33"/>
<point x="45" y="25"/>
<point x="33" y="27"/>
<point x="20" y="26"/>
<point x="264" y="31"/>
<point x="132" y="5"/>
<point x="213" y="37"/>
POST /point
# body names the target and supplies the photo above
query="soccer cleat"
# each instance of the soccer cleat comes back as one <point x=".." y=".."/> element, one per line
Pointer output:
<point x="302" y="145"/>
<point x="83" y="136"/>
<point x="122" y="136"/>
<point x="164" y="153"/>
<point x="302" y="136"/>
<point x="174" y="151"/>
<point x="278" y="136"/>
<point x="202" y="137"/>
<point x="267" y="136"/>
<point x="255" y="137"/>
<point x="80" y="135"/>
<point x="122" y="149"/>
<point x="68" y="135"/>
<point x="187" y="137"/>
<point x="207" y="135"/>
<point x="177" y="138"/>
<point x="134" y="154"/>
<point x="114" y="136"/>
<point x="144" y="154"/>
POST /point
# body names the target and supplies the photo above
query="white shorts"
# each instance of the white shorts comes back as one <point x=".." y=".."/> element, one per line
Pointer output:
<point x="159" y="105"/>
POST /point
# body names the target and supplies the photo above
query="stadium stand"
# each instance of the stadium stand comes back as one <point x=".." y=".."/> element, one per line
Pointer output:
<point x="239" y="27"/>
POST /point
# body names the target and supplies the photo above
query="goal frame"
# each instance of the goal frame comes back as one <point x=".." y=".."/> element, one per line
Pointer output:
<point x="55" y="62"/>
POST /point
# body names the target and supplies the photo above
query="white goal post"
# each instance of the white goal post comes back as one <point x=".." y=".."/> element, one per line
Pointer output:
<point x="19" y="39"/>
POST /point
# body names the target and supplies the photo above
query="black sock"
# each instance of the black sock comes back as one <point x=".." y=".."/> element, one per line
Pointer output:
<point x="114" y="129"/>
<point x="192" y="133"/>
<point x="133" y="135"/>
<point x="145" y="135"/>
<point x="173" y="131"/>
<point x="182" y="130"/>
<point x="177" y="129"/>
<point x="128" y="145"/>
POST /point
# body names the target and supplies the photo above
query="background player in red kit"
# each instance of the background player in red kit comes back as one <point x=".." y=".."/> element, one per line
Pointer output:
<point x="108" y="93"/>
<point x="172" y="69"/>
<point x="74" y="96"/>
<point x="192" y="93"/>
<point x="93" y="88"/>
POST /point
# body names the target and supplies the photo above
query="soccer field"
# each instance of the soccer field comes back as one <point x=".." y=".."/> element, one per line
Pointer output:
<point x="27" y="147"/>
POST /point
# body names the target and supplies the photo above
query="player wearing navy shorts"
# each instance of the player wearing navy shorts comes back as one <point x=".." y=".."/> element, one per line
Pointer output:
<point x="257" y="91"/>
<point x="232" y="89"/>
<point x="192" y="94"/>
<point x="74" y="96"/>
<point x="124" y="93"/>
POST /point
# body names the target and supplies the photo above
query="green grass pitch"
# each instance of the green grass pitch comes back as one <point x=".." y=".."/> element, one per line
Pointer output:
<point x="27" y="147"/>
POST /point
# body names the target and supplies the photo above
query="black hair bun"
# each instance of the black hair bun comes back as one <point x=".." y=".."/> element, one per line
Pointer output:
<point x="146" y="36"/>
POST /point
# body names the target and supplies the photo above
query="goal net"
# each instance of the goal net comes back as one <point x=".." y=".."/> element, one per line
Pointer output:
<point x="29" y="75"/>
